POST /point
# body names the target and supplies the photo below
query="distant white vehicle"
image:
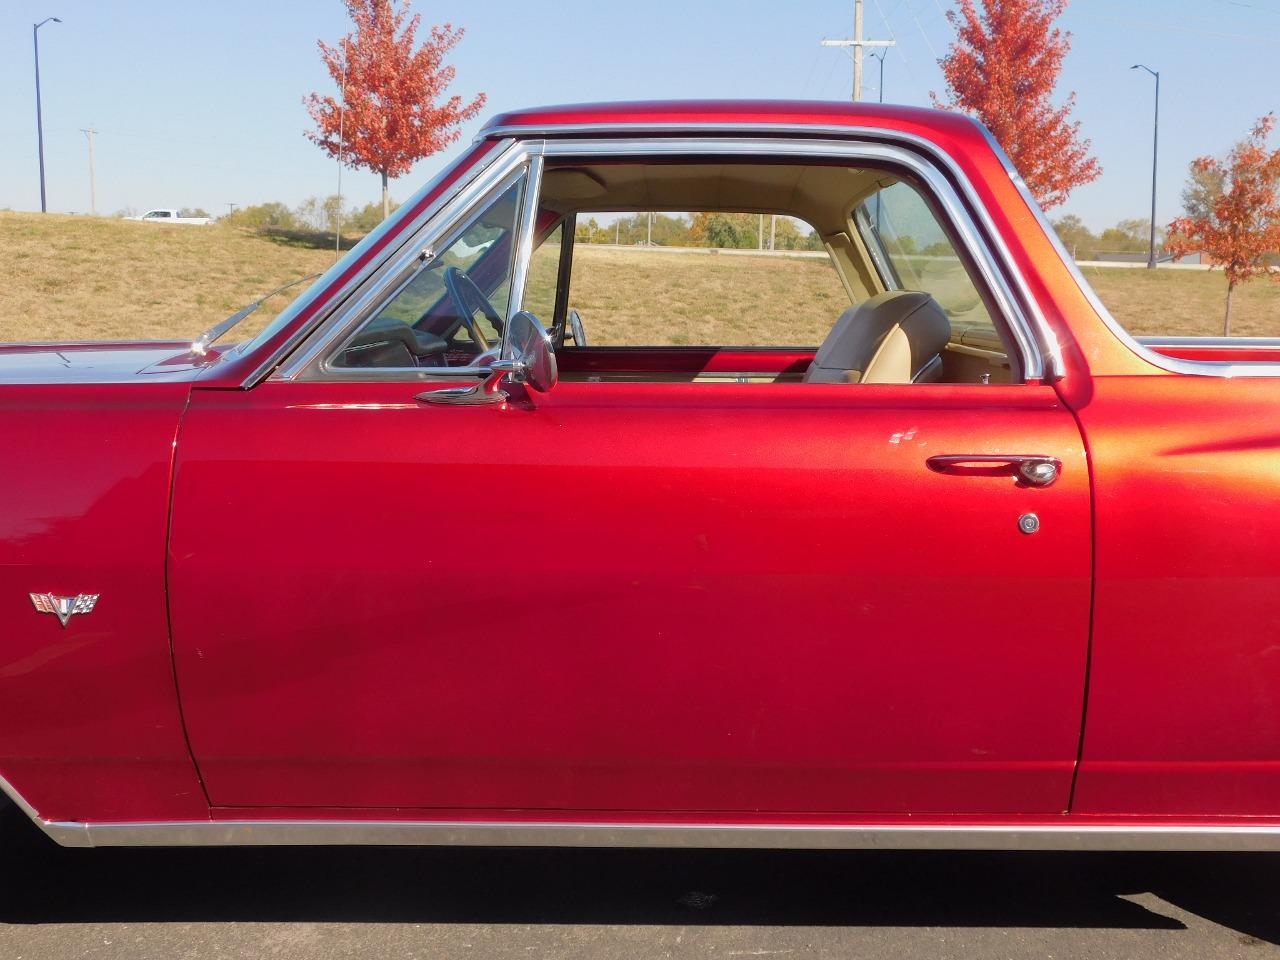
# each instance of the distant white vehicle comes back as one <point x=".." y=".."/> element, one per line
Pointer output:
<point x="169" y="215"/>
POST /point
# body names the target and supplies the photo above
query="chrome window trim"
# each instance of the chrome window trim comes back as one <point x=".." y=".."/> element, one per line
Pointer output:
<point x="438" y="222"/>
<point x="1054" y="366"/>
<point x="1036" y="357"/>
<point x="1041" y="356"/>
<point x="400" y="271"/>
<point x="525" y="229"/>
<point x="1198" y="368"/>
<point x="281" y="355"/>
<point x="1064" y="837"/>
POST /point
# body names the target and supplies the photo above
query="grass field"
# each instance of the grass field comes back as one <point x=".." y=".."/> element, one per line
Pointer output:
<point x="64" y="278"/>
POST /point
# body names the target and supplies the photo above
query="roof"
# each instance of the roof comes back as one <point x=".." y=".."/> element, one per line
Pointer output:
<point x="719" y="114"/>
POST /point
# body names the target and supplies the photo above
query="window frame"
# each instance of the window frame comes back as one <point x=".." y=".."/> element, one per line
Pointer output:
<point x="314" y="360"/>
<point x="1037" y="355"/>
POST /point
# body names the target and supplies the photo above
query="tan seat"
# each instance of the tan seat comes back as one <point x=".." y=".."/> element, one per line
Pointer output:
<point x="894" y="337"/>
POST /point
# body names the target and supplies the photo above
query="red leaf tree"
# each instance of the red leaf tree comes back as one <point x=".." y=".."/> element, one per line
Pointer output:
<point x="390" y="92"/>
<point x="1237" y="219"/>
<point x="1002" y="68"/>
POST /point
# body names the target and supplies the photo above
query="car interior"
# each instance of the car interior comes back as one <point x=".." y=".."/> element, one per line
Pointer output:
<point x="884" y="296"/>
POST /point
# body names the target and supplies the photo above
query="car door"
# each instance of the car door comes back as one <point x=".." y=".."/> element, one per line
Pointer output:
<point x="630" y="596"/>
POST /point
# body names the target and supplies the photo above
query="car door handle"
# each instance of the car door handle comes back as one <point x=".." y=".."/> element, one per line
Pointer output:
<point x="1033" y="469"/>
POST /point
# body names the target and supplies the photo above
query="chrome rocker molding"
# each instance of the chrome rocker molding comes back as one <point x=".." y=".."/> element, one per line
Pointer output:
<point x="699" y="836"/>
<point x="1068" y="836"/>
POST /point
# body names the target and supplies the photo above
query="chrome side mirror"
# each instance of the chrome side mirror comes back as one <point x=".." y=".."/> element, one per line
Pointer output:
<point x="577" y="330"/>
<point x="528" y="358"/>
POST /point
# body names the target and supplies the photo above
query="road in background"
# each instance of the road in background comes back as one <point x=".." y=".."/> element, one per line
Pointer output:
<point x="321" y="903"/>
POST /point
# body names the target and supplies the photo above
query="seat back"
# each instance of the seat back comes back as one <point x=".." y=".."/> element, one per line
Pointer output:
<point x="894" y="337"/>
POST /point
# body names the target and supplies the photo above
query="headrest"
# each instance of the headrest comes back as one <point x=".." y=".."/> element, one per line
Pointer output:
<point x="889" y="338"/>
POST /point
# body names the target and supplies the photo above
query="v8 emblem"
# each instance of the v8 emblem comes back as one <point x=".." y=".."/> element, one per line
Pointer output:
<point x="64" y="607"/>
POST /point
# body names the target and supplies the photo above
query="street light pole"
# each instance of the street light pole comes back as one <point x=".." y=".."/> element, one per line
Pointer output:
<point x="35" y="41"/>
<point x="1155" y="156"/>
<point x="879" y="55"/>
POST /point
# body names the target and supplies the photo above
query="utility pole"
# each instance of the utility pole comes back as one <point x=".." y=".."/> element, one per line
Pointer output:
<point x="93" y="180"/>
<point x="231" y="210"/>
<point x="773" y="229"/>
<point x="857" y="43"/>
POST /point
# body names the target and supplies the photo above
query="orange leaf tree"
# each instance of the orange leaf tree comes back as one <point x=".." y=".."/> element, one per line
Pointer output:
<point x="389" y="116"/>
<point x="1236" y="219"/>
<point x="1002" y="68"/>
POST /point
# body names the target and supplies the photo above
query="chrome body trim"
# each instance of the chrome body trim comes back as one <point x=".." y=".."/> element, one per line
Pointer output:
<point x="669" y="835"/>
<point x="1067" y="835"/>
<point x="1213" y="343"/>
<point x="525" y="229"/>
<point x="1199" y="368"/>
<point x="1053" y="352"/>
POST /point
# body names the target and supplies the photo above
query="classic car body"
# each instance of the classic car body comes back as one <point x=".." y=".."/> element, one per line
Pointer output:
<point x="365" y="578"/>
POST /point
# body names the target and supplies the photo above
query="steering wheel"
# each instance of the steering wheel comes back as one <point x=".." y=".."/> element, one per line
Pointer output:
<point x="468" y="297"/>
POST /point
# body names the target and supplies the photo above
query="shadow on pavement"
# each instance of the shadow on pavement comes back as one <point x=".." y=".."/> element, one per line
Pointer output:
<point x="43" y="883"/>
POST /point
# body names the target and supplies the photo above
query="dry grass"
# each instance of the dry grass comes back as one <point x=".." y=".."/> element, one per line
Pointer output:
<point x="634" y="298"/>
<point x="1188" y="303"/>
<point x="64" y="278"/>
<point x="82" y="278"/>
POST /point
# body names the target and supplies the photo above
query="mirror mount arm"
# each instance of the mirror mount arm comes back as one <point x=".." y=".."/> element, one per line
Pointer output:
<point x="478" y="394"/>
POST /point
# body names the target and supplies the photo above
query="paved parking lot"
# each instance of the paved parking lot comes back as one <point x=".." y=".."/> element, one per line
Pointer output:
<point x="604" y="904"/>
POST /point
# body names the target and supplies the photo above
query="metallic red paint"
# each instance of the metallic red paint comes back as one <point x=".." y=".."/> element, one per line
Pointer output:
<point x="630" y="596"/>
<point x="378" y="604"/>
<point x="89" y="722"/>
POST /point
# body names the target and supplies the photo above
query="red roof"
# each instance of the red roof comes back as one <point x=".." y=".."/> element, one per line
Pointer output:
<point x="745" y="113"/>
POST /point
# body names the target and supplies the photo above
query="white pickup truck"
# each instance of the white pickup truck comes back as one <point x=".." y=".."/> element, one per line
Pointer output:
<point x="170" y="215"/>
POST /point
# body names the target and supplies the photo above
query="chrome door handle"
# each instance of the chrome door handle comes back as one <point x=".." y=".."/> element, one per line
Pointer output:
<point x="1033" y="469"/>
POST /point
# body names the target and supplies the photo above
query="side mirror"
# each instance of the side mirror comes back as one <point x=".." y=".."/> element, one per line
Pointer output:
<point x="530" y="357"/>
<point x="577" y="330"/>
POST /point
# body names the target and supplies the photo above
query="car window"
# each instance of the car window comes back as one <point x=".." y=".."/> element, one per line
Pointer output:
<point x="544" y="267"/>
<point x="703" y="278"/>
<point x="912" y="251"/>
<point x="422" y="323"/>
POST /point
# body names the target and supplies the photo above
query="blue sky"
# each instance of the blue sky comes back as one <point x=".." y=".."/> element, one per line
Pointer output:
<point x="201" y="103"/>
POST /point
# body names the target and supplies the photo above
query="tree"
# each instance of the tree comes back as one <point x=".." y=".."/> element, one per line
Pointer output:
<point x="1240" y="227"/>
<point x="1002" y="68"/>
<point x="1075" y="236"/>
<point x="1204" y="187"/>
<point x="389" y="117"/>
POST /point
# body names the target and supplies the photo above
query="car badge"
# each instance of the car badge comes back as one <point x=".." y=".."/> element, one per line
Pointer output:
<point x="64" y="607"/>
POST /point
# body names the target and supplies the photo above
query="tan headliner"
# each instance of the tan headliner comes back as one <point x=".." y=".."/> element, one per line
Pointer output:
<point x="822" y="195"/>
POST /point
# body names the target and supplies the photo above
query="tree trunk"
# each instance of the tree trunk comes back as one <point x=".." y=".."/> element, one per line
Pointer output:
<point x="386" y="200"/>
<point x="1226" y="323"/>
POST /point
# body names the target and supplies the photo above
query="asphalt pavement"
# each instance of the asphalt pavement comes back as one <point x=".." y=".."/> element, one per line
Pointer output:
<point x="322" y="903"/>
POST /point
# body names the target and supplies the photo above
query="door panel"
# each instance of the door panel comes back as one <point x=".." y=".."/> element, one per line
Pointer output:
<point x="625" y="596"/>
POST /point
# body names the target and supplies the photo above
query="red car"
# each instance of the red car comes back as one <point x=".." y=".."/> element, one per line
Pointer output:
<point x="442" y="556"/>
